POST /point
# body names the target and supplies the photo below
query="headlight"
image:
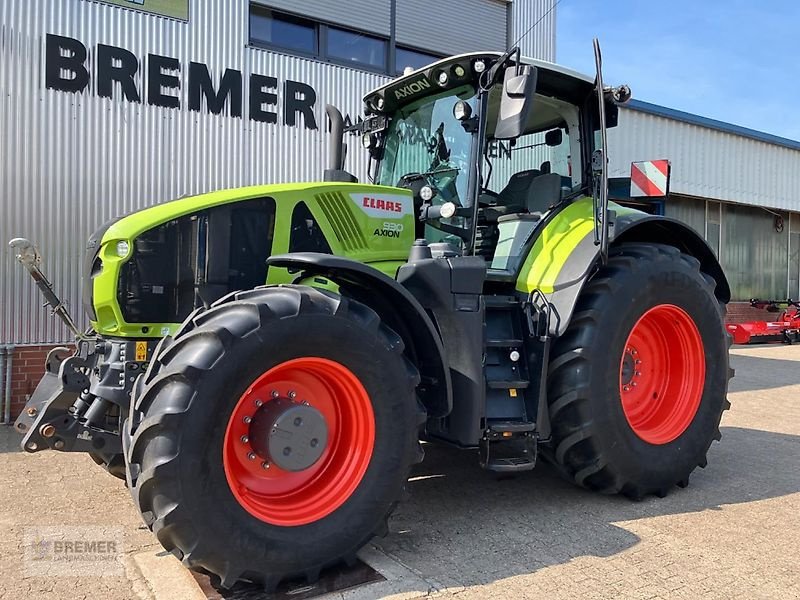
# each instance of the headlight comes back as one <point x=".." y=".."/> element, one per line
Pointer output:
<point x="479" y="66"/>
<point x="447" y="210"/>
<point x="123" y="248"/>
<point x="462" y="110"/>
<point x="426" y="193"/>
<point x="459" y="71"/>
<point x="380" y="103"/>
<point x="442" y="78"/>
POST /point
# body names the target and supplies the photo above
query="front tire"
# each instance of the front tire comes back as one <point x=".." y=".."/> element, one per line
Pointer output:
<point x="205" y="470"/>
<point x="637" y="384"/>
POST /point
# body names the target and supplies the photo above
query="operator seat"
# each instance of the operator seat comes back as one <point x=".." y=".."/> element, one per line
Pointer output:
<point x="526" y="192"/>
<point x="544" y="192"/>
<point x="533" y="190"/>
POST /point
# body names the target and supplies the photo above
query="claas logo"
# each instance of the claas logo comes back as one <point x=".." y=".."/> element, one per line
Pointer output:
<point x="379" y="204"/>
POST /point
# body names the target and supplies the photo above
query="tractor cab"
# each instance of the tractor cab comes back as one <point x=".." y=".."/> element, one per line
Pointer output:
<point x="489" y="146"/>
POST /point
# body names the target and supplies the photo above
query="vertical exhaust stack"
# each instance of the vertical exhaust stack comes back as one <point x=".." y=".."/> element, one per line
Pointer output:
<point x="335" y="171"/>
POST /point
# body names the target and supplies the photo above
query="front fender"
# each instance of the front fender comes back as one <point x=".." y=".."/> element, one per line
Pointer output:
<point x="396" y="307"/>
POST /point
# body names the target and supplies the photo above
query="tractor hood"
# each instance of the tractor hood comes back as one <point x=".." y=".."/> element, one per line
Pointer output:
<point x="145" y="272"/>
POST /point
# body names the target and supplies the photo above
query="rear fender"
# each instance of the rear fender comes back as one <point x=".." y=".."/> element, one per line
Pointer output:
<point x="564" y="254"/>
<point x="396" y="307"/>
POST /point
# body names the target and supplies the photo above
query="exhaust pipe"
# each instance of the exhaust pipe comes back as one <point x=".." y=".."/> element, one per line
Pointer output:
<point x="9" y="360"/>
<point x="336" y="156"/>
<point x="336" y="171"/>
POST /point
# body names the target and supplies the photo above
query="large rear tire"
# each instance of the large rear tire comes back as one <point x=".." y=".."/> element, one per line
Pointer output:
<point x="638" y="382"/>
<point x="204" y="467"/>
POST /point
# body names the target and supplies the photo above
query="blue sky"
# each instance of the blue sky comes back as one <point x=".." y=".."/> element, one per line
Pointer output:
<point x="733" y="60"/>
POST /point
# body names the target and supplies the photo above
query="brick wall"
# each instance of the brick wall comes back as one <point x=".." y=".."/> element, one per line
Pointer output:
<point x="27" y="368"/>
<point x="739" y="312"/>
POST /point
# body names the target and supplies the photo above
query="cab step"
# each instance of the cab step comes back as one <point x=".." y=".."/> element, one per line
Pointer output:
<point x="511" y="465"/>
<point x="508" y="447"/>
<point x="502" y="384"/>
<point x="504" y="343"/>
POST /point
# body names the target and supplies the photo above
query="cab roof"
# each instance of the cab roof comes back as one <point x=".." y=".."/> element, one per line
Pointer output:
<point x="553" y="79"/>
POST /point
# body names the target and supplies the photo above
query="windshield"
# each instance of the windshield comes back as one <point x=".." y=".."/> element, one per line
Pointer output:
<point x="425" y="138"/>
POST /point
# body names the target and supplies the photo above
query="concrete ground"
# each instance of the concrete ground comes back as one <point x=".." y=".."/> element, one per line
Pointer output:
<point x="734" y="532"/>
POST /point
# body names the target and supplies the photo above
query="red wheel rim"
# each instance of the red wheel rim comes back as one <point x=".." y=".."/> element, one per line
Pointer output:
<point x="290" y="498"/>
<point x="662" y="374"/>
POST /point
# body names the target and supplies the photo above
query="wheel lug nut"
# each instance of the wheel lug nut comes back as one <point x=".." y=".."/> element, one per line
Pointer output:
<point x="274" y="393"/>
<point x="265" y="465"/>
<point x="287" y="451"/>
<point x="292" y="395"/>
<point x="248" y="419"/>
<point x="245" y="439"/>
<point x="634" y="384"/>
<point x="259" y="403"/>
<point x="638" y="373"/>
<point x="638" y="362"/>
<point x="298" y="421"/>
<point x="305" y="402"/>
<point x="251" y="456"/>
<point x="314" y="442"/>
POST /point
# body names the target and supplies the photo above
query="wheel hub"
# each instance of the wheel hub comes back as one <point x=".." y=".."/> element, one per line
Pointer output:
<point x="275" y="469"/>
<point x="630" y="369"/>
<point x="291" y="435"/>
<point x="662" y="374"/>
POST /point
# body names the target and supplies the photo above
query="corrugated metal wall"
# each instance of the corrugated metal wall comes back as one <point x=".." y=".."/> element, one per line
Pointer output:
<point x="541" y="41"/>
<point x="72" y="161"/>
<point x="708" y="163"/>
<point x="453" y="26"/>
<point x="368" y="15"/>
<point x="69" y="162"/>
<point x="754" y="254"/>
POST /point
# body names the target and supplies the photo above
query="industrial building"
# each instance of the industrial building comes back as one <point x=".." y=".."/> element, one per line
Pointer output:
<point x="107" y="106"/>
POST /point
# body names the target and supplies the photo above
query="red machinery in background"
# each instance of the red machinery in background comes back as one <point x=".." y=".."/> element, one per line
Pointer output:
<point x="785" y="329"/>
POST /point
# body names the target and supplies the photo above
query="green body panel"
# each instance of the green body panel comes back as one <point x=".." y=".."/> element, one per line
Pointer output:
<point x="570" y="235"/>
<point x="368" y="223"/>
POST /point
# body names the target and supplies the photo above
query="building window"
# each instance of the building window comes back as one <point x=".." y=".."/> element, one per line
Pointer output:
<point x="273" y="29"/>
<point x="406" y="57"/>
<point x="358" y="48"/>
<point x="270" y="28"/>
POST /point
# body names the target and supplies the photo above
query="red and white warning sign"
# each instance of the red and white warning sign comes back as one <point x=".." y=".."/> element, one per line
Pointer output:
<point x="649" y="178"/>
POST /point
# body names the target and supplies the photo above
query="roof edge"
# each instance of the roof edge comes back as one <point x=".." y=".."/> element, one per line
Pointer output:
<point x="679" y="115"/>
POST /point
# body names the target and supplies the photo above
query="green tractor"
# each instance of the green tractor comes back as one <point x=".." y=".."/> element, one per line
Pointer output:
<point x="482" y="293"/>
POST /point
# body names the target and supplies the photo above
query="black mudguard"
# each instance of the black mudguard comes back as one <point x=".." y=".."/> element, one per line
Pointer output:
<point x="397" y="307"/>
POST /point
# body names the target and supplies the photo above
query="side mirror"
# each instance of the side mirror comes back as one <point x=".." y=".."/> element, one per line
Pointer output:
<point x="553" y="138"/>
<point x="519" y="87"/>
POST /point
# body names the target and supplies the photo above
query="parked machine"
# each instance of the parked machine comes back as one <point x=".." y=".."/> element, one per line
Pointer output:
<point x="497" y="303"/>
<point x="786" y="328"/>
